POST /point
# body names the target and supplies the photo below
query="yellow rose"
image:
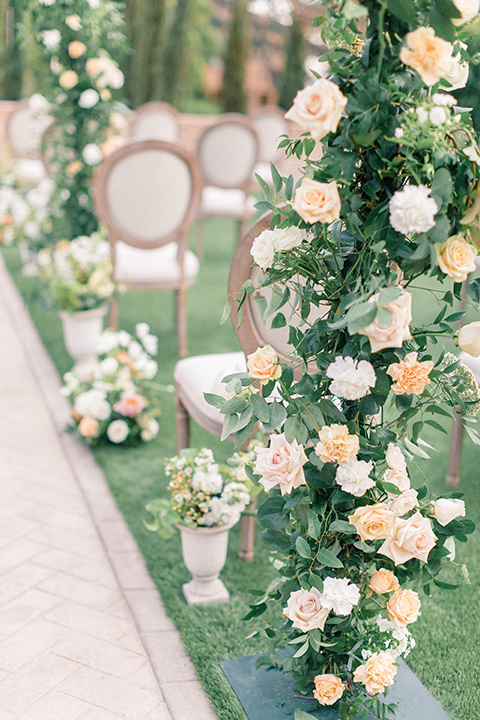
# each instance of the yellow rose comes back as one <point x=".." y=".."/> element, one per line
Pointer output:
<point x="394" y="335"/>
<point x="410" y="375"/>
<point x="317" y="202"/>
<point x="307" y="609"/>
<point x="469" y="338"/>
<point x="328" y="689"/>
<point x="373" y="522"/>
<point x="428" y="54"/>
<point x="383" y="581"/>
<point x="74" y="167"/>
<point x="456" y="258"/>
<point x="68" y="79"/>
<point x="377" y="673"/>
<point x="410" y="538"/>
<point x="404" y="607"/>
<point x="264" y="365"/>
<point x="318" y="107"/>
<point x="88" y="427"/>
<point x="76" y="49"/>
<point x="336" y="444"/>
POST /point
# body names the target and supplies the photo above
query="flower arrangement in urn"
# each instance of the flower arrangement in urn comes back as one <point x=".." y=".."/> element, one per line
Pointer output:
<point x="394" y="198"/>
<point x="115" y="402"/>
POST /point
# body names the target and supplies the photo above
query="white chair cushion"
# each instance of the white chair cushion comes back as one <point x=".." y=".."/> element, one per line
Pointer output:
<point x="203" y="373"/>
<point x="31" y="170"/>
<point x="159" y="265"/>
<point x="226" y="202"/>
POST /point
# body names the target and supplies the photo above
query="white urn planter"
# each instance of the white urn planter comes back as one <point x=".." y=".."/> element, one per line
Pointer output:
<point x="204" y="554"/>
<point x="80" y="332"/>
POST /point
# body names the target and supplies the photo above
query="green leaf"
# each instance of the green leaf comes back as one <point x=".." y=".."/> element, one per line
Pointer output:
<point x="402" y="9"/>
<point x="442" y="186"/>
<point x="279" y="321"/>
<point x="360" y="315"/>
<point x="270" y="513"/>
<point x="303" y="548"/>
<point x="235" y="405"/>
<point x="277" y="540"/>
<point x="260" y="408"/>
<point x="276" y="178"/>
<point x="343" y="526"/>
<point x="315" y="581"/>
<point x="313" y="524"/>
<point x="327" y="558"/>
<point x="230" y="425"/>
<point x="277" y="417"/>
<point x="301" y="715"/>
<point x="216" y="400"/>
<point x="353" y="11"/>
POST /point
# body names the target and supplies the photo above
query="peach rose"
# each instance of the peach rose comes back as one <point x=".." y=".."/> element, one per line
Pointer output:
<point x="404" y="607"/>
<point x="336" y="444"/>
<point x="456" y="258"/>
<point x="124" y="359"/>
<point x="468" y="9"/>
<point x="281" y="464"/>
<point x="88" y="427"/>
<point x="317" y="202"/>
<point x="328" y="689"/>
<point x="74" y="167"/>
<point x="105" y="94"/>
<point x="318" y="107"/>
<point x="307" y="609"/>
<point x="94" y="66"/>
<point x="130" y="404"/>
<point x="383" y="581"/>
<point x="428" y="54"/>
<point x="264" y="365"/>
<point x="377" y="673"/>
<point x="76" y="49"/>
<point x="469" y="338"/>
<point x="410" y="375"/>
<point x="410" y="538"/>
<point x="68" y="79"/>
<point x="373" y="522"/>
<point x="398" y="331"/>
<point x="448" y="509"/>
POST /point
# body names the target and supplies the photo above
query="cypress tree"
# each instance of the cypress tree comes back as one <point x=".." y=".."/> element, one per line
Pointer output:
<point x="174" y="80"/>
<point x="293" y="78"/>
<point x="145" y="21"/>
<point x="234" y="96"/>
<point x="12" y="58"/>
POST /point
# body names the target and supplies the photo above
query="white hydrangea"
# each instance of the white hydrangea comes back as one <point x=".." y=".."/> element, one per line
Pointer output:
<point x="123" y="338"/>
<point x="209" y="481"/>
<point x="352" y="379"/>
<point x="93" y="403"/>
<point x="117" y="431"/>
<point x="422" y="115"/>
<point x="150" y="431"/>
<point x="353" y="477"/>
<point x="342" y="594"/>
<point x="402" y="634"/>
<point x="412" y="210"/>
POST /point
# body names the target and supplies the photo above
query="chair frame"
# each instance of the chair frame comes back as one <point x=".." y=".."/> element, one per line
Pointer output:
<point x="152" y="105"/>
<point x="21" y="104"/>
<point x="179" y="235"/>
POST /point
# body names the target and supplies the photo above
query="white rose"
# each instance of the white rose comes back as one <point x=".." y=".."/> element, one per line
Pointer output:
<point x="92" y="154"/>
<point x="450" y="545"/>
<point x="342" y="594"/>
<point x="88" y="99"/>
<point x="458" y="75"/>
<point x="46" y="3"/>
<point x="404" y="502"/>
<point x="443" y="99"/>
<point x="395" y="459"/>
<point x="108" y="366"/>
<point x="411" y="210"/>
<point x="117" y="431"/>
<point x="469" y="338"/>
<point x="468" y="9"/>
<point x="288" y="238"/>
<point x="37" y="103"/>
<point x="352" y="379"/>
<point x="437" y="116"/>
<point x="263" y="249"/>
<point x="353" y="477"/>
<point x="447" y="509"/>
<point x="397" y="477"/>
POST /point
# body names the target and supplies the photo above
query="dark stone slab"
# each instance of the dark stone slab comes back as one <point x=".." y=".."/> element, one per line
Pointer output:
<point x="266" y="694"/>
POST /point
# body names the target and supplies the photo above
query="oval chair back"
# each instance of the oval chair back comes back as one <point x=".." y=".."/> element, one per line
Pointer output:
<point x="25" y="130"/>
<point x="154" y="121"/>
<point x="269" y="122"/>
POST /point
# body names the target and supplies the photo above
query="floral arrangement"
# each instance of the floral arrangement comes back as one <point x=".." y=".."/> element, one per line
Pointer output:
<point x="203" y="494"/>
<point x="394" y="198"/>
<point x="116" y="402"/>
<point x="79" y="39"/>
<point x="79" y="273"/>
<point x="24" y="211"/>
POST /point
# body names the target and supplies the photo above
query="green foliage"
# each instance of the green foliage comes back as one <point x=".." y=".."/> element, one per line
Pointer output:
<point x="234" y="98"/>
<point x="293" y="77"/>
<point x="175" y="58"/>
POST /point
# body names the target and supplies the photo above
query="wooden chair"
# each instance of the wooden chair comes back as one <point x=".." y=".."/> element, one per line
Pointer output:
<point x="25" y="129"/>
<point x="148" y="194"/>
<point x="154" y="121"/>
<point x="228" y="153"/>
<point x="269" y="122"/>
<point x="195" y="376"/>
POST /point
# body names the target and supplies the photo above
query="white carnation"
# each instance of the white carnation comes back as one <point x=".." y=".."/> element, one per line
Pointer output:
<point x="437" y="116"/>
<point x="443" y="99"/>
<point x="88" y="99"/>
<point x="342" y="594"/>
<point x="92" y="154"/>
<point x="353" y="477"/>
<point x="412" y="211"/>
<point x="117" y="431"/>
<point x="352" y="379"/>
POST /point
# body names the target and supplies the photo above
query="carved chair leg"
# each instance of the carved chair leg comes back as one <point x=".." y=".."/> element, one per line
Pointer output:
<point x="183" y="425"/>
<point x="247" y="536"/>
<point x="453" y="474"/>
<point x="113" y="314"/>
<point x="200" y="237"/>
<point x="182" y="321"/>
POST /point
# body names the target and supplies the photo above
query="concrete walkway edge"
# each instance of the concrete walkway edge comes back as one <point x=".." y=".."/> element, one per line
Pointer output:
<point x="181" y="689"/>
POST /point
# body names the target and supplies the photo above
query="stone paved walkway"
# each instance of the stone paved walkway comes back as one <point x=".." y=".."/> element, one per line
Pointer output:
<point x="83" y="635"/>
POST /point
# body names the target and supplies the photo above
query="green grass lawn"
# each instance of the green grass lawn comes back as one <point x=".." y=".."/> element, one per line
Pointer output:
<point x="447" y="656"/>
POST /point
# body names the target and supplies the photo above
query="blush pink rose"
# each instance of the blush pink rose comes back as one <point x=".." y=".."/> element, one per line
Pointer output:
<point x="281" y="464"/>
<point x="130" y="404"/>
<point x="307" y="609"/>
<point x="318" y="107"/>
<point x="410" y="538"/>
<point x="398" y="331"/>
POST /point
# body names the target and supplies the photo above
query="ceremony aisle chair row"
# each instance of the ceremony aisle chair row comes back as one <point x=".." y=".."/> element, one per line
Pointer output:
<point x="25" y="129"/>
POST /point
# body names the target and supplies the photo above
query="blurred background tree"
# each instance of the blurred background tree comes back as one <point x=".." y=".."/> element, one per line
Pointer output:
<point x="293" y="78"/>
<point x="234" y="96"/>
<point x="145" y="21"/>
<point x="11" y="56"/>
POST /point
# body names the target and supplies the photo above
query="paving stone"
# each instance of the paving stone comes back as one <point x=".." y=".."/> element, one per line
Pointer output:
<point x="169" y="656"/>
<point x="89" y="621"/>
<point x="131" y="571"/>
<point x="26" y="644"/>
<point x="25" y="608"/>
<point x="148" y="610"/>
<point x="116" y="534"/>
<point x="82" y="591"/>
<point x="187" y="700"/>
<point x="57" y="706"/>
<point x="101" y="655"/>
